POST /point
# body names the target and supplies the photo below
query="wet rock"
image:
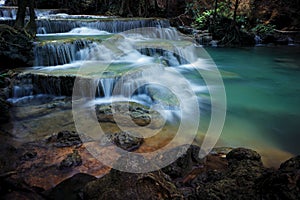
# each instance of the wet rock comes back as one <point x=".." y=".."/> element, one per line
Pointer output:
<point x="65" y="139"/>
<point x="70" y="188"/>
<point x="72" y="160"/>
<point x="28" y="156"/>
<point x="127" y="113"/>
<point x="238" y="181"/>
<point x="124" y="140"/>
<point x="242" y="154"/>
<point x="121" y="185"/>
<point x="281" y="184"/>
<point x="184" y="164"/>
<point x="291" y="165"/>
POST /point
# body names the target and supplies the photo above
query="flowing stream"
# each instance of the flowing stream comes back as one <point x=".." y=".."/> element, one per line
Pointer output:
<point x="262" y="83"/>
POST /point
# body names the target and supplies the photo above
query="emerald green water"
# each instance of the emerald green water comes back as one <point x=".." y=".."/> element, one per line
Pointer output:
<point x="263" y="99"/>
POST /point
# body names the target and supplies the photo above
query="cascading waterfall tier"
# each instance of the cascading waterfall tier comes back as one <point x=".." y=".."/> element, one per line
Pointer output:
<point x="114" y="25"/>
<point x="28" y="84"/>
<point x="60" y="52"/>
<point x="65" y="45"/>
<point x="10" y="12"/>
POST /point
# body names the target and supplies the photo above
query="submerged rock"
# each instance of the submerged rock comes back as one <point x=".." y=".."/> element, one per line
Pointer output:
<point x="72" y="160"/>
<point x="124" y="140"/>
<point x="28" y="156"/>
<point x="127" y="113"/>
<point x="65" y="139"/>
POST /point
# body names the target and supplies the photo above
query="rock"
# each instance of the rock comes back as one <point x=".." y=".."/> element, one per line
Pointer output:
<point x="281" y="184"/>
<point x="238" y="181"/>
<point x="9" y="157"/>
<point x="240" y="154"/>
<point x="125" y="140"/>
<point x="65" y="139"/>
<point x="291" y="165"/>
<point x="121" y="185"/>
<point x="17" y="189"/>
<point x="125" y="115"/>
<point x="184" y="164"/>
<point x="72" y="160"/>
<point x="70" y="188"/>
<point x="28" y="156"/>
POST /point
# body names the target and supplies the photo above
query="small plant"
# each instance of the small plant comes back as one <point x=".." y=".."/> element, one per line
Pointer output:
<point x="223" y="11"/>
<point x="263" y="29"/>
<point x="204" y="19"/>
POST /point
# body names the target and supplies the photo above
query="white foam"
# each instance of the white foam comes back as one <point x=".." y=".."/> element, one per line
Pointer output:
<point x="78" y="31"/>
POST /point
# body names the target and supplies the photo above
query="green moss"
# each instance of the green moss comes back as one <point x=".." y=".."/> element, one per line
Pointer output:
<point x="163" y="96"/>
<point x="64" y="39"/>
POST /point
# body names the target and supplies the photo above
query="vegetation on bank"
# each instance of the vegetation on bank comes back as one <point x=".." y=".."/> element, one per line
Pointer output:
<point x="231" y="22"/>
<point x="237" y="22"/>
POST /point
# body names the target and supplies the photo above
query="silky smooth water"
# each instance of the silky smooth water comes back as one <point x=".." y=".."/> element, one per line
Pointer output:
<point x="262" y="83"/>
<point x="263" y="109"/>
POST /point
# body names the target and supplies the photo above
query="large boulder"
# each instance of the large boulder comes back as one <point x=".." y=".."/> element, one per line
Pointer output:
<point x="121" y="185"/>
<point x="238" y="181"/>
<point x="281" y="184"/>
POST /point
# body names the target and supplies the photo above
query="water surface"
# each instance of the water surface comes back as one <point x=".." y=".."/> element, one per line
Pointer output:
<point x="263" y="99"/>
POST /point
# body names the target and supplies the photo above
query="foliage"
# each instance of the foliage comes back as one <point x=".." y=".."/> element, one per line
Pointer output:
<point x="263" y="29"/>
<point x="223" y="11"/>
<point x="204" y="19"/>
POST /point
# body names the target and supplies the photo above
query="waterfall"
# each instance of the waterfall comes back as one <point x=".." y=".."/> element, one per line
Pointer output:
<point x="24" y="88"/>
<point x="257" y="40"/>
<point x="107" y="85"/>
<point x="33" y="84"/>
<point x="176" y="58"/>
<point x="59" y="53"/>
<point x="8" y="13"/>
<point x="112" y="25"/>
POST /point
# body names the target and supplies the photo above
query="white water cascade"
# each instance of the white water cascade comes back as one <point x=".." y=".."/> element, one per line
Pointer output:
<point x="130" y="53"/>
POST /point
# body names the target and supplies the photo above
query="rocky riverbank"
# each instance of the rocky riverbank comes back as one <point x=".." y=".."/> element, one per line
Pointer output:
<point x="223" y="174"/>
<point x="58" y="166"/>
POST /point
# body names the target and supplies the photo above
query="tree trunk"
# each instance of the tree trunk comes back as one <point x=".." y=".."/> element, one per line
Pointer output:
<point x="235" y="9"/>
<point x="125" y="8"/>
<point x="216" y="8"/>
<point x="21" y="14"/>
<point x="31" y="26"/>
